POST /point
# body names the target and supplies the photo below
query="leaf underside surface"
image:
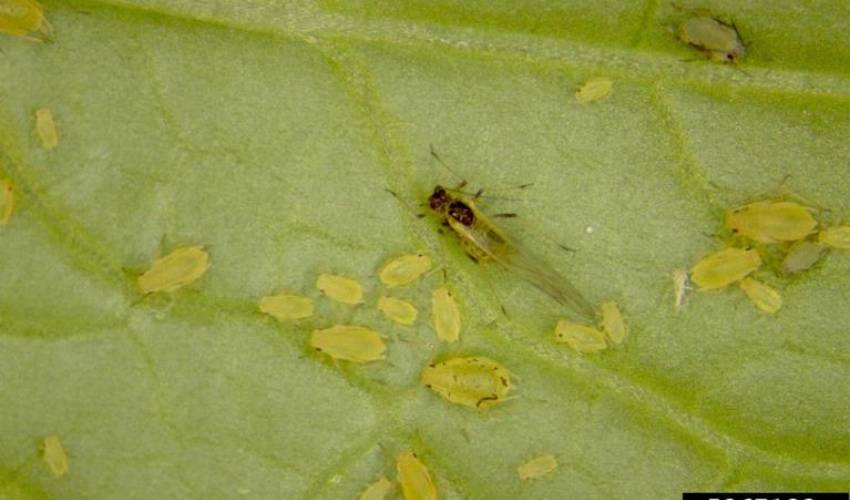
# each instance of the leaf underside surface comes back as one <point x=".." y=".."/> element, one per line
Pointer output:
<point x="269" y="133"/>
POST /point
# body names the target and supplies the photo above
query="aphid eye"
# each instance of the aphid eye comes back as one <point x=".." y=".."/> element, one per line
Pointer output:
<point x="438" y="198"/>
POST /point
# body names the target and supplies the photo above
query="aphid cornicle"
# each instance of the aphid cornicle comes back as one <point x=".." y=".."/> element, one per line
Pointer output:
<point x="718" y="41"/>
<point x="482" y="240"/>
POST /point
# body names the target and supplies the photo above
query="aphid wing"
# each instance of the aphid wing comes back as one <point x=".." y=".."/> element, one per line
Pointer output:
<point x="495" y="245"/>
<point x="549" y="281"/>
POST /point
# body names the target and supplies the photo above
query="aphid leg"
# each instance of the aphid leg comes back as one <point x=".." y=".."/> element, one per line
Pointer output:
<point x="506" y="215"/>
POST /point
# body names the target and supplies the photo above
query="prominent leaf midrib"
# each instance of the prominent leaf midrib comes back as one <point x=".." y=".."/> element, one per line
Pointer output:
<point x="625" y="63"/>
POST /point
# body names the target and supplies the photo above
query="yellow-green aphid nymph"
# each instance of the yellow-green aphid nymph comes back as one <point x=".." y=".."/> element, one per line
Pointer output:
<point x="612" y="323"/>
<point x="22" y="17"/>
<point x="595" y="89"/>
<point x="415" y="480"/>
<point x="397" y="310"/>
<point x="286" y="307"/>
<point x="724" y="267"/>
<point x="377" y="490"/>
<point x="771" y="222"/>
<point x="765" y="298"/>
<point x="836" y="237"/>
<point x="7" y="201"/>
<point x="482" y="240"/>
<point x="445" y="314"/>
<point x="348" y="342"/>
<point x="537" y="467"/>
<point x="680" y="288"/>
<point x="54" y="455"/>
<point x="476" y="382"/>
<point x="340" y="288"/>
<point x="181" y="267"/>
<point x="404" y="269"/>
<point x="45" y="128"/>
<point x="801" y="256"/>
<point x="581" y="338"/>
<point x="718" y="41"/>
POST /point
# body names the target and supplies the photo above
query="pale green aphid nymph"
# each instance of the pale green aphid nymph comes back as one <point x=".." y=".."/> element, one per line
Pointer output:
<point x="718" y="41"/>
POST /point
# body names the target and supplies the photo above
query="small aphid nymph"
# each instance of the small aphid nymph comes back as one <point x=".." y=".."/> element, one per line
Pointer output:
<point x="377" y="490"/>
<point x="476" y="382"/>
<point x="340" y="288"/>
<point x="350" y="343"/>
<point x="724" y="267"/>
<point x="581" y="338"/>
<point x="181" y="267"/>
<point x="801" y="256"/>
<point x="836" y="237"/>
<point x="54" y="455"/>
<point x="22" y="17"/>
<point x="771" y="222"/>
<point x="595" y="89"/>
<point x="765" y="298"/>
<point x="718" y="41"/>
<point x="7" y="201"/>
<point x="404" y="270"/>
<point x="680" y="288"/>
<point x="537" y="467"/>
<point x="413" y="475"/>
<point x="45" y="129"/>
<point x="397" y="310"/>
<point x="612" y="323"/>
<point x="286" y="307"/>
<point x="445" y="315"/>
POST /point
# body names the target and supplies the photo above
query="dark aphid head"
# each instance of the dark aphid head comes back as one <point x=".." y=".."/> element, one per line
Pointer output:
<point x="439" y="199"/>
<point x="461" y="212"/>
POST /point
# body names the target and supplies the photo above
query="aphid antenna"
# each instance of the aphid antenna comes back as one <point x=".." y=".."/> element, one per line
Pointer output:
<point x="406" y="205"/>
<point x="446" y="166"/>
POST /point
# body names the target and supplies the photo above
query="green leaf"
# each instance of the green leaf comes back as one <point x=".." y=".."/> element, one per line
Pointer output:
<point x="270" y="132"/>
